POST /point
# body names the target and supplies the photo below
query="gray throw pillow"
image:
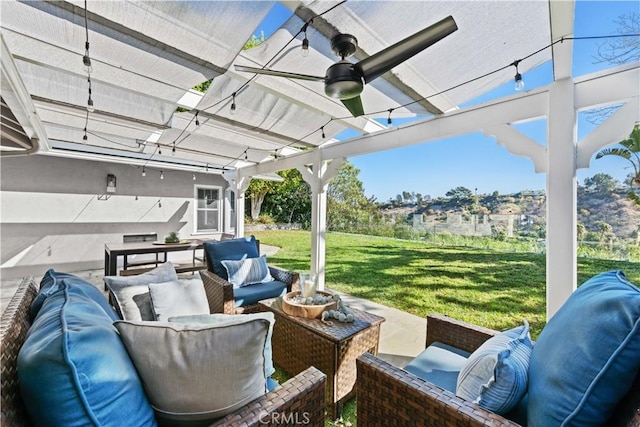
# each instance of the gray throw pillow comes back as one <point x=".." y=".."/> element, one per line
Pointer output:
<point x="178" y="298"/>
<point x="219" y="319"/>
<point x="194" y="373"/>
<point x="131" y="293"/>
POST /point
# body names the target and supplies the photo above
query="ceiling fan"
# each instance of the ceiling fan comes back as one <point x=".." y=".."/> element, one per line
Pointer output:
<point x="345" y="80"/>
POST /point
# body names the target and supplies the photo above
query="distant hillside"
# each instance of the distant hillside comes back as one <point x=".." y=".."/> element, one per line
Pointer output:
<point x="593" y="208"/>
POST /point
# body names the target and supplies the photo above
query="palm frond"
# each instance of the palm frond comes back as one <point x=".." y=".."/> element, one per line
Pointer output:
<point x="620" y="152"/>
<point x="632" y="143"/>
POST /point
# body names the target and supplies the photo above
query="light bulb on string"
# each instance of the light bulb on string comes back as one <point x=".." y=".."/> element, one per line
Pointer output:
<point x="197" y="121"/>
<point x="323" y="135"/>
<point x="389" y="121"/>
<point x="173" y="150"/>
<point x="159" y="150"/>
<point x="233" y="104"/>
<point x="519" y="83"/>
<point x="90" y="107"/>
<point x="84" y="137"/>
<point x="194" y="176"/>
<point x="86" y="63"/>
<point x="161" y="175"/>
<point x="305" y="41"/>
<point x="144" y="172"/>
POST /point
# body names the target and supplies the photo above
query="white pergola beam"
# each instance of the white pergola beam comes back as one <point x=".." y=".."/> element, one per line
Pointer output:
<point x="615" y="129"/>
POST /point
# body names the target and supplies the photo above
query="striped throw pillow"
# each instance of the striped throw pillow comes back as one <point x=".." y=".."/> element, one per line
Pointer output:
<point x="247" y="271"/>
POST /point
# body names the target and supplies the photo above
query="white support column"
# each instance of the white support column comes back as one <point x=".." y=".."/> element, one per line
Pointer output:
<point x="238" y="185"/>
<point x="561" y="196"/>
<point x="318" y="177"/>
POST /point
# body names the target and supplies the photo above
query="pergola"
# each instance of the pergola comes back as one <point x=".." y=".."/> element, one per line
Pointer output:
<point x="146" y="57"/>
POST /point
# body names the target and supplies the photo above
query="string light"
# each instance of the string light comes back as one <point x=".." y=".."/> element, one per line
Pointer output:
<point x="159" y="150"/>
<point x="305" y="40"/>
<point x="519" y="83"/>
<point x="144" y="172"/>
<point x="323" y="135"/>
<point x="233" y="104"/>
<point x="389" y="121"/>
<point x="159" y="204"/>
<point x="206" y="168"/>
<point x="197" y="121"/>
<point x="86" y="59"/>
<point x="161" y="175"/>
<point x="246" y="156"/>
<point x="194" y="176"/>
<point x="173" y="150"/>
<point x="84" y="137"/>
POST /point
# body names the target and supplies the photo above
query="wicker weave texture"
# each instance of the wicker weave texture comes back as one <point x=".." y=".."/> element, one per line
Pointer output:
<point x="303" y="396"/>
<point x="14" y="326"/>
<point x="390" y="396"/>
<point x="299" y="401"/>
<point x="299" y="343"/>
<point x="220" y="291"/>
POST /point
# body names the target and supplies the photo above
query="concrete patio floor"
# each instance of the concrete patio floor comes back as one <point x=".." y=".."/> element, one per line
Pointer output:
<point x="402" y="335"/>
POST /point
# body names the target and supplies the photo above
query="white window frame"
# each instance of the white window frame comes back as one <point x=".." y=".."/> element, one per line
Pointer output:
<point x="196" y="209"/>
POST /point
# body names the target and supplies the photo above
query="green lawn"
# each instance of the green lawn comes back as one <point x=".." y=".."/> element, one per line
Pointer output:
<point x="482" y="286"/>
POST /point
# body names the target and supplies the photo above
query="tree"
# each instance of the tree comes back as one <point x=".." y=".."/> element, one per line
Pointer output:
<point x="347" y="205"/>
<point x="289" y="201"/>
<point x="605" y="230"/>
<point x="601" y="183"/>
<point x="460" y="196"/>
<point x="581" y="231"/>
<point x="629" y="149"/>
<point x="256" y="193"/>
<point x="618" y="51"/>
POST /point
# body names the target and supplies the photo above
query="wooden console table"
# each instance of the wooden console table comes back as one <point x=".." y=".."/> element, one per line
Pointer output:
<point x="299" y="343"/>
<point x="113" y="250"/>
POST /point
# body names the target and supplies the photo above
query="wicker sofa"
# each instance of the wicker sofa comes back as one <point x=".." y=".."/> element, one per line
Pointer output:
<point x="391" y="396"/>
<point x="303" y="394"/>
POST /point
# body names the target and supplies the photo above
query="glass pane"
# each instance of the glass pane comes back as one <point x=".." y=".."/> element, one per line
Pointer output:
<point x="207" y="220"/>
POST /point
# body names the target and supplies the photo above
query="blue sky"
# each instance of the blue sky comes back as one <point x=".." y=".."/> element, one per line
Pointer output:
<point x="475" y="161"/>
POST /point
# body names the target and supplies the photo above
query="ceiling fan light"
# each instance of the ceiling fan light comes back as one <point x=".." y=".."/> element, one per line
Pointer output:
<point x="342" y="81"/>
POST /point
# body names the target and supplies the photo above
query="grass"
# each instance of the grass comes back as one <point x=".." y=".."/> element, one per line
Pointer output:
<point x="481" y="286"/>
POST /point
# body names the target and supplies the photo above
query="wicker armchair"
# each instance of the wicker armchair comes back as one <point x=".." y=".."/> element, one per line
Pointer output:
<point x="220" y="291"/>
<point x="390" y="396"/>
<point x="300" y="398"/>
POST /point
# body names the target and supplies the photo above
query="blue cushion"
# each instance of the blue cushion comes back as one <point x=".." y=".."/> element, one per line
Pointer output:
<point x="73" y="368"/>
<point x="251" y="294"/>
<point x="439" y="364"/>
<point x="52" y="281"/>
<point x="233" y="249"/>
<point x="587" y="356"/>
<point x="247" y="271"/>
<point x="495" y="375"/>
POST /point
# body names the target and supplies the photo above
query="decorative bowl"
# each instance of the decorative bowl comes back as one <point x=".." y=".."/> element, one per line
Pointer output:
<point x="293" y="308"/>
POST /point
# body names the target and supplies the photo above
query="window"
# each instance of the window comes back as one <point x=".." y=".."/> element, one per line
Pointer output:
<point x="208" y="209"/>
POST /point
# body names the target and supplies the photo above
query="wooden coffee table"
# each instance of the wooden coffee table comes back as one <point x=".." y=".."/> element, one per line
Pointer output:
<point x="299" y="343"/>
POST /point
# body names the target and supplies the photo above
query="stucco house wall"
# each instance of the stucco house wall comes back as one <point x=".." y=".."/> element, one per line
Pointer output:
<point x="56" y="212"/>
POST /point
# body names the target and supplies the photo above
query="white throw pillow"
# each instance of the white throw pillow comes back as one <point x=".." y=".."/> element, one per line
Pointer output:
<point x="220" y="319"/>
<point x="247" y="271"/>
<point x="178" y="298"/>
<point x="197" y="372"/>
<point x="131" y="293"/>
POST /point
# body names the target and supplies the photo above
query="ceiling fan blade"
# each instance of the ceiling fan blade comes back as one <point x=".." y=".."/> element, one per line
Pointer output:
<point x="269" y="72"/>
<point x="354" y="105"/>
<point x="381" y="62"/>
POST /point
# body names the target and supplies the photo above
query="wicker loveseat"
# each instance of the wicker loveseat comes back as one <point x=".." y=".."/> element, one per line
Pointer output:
<point x="302" y="395"/>
<point x="391" y="396"/>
